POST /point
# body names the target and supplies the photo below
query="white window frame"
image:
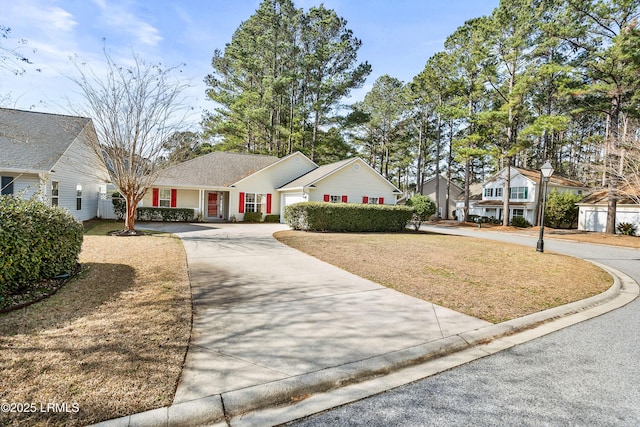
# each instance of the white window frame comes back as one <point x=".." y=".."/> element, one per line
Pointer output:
<point x="55" y="193"/>
<point x="335" y="199"/>
<point x="255" y="202"/>
<point x="517" y="212"/>
<point x="373" y="200"/>
<point x="518" y="193"/>
<point x="164" y="198"/>
<point x="78" y="197"/>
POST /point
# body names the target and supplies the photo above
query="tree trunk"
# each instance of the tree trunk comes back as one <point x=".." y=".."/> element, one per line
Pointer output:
<point x="505" y="193"/>
<point x="132" y="207"/>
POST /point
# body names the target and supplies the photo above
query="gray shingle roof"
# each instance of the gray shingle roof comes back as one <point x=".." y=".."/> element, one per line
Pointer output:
<point x="218" y="169"/>
<point x="33" y="141"/>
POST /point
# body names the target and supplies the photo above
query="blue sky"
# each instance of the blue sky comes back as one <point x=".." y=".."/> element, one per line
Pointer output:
<point x="398" y="37"/>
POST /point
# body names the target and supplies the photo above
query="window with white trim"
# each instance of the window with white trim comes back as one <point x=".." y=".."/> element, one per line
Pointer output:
<point x="335" y="199"/>
<point x="78" y="197"/>
<point x="518" y="193"/>
<point x="164" y="198"/>
<point x="518" y="212"/>
<point x="55" y="192"/>
<point x="254" y="202"/>
<point x="373" y="200"/>
<point x="498" y="192"/>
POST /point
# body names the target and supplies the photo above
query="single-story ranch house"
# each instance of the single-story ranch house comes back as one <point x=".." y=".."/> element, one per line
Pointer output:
<point x="223" y="186"/>
<point x="523" y="194"/>
<point x="47" y="156"/>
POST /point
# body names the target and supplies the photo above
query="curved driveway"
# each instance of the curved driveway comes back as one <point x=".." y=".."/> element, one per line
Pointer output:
<point x="586" y="374"/>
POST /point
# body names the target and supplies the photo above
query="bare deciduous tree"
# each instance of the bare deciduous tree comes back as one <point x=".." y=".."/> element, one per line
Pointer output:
<point x="135" y="108"/>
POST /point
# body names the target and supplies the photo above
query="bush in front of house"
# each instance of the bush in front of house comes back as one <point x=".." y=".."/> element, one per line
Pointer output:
<point x="252" y="217"/>
<point x="37" y="242"/>
<point x="165" y="214"/>
<point x="119" y="205"/>
<point x="423" y="208"/>
<point x="561" y="210"/>
<point x="627" y="229"/>
<point x="520" y="221"/>
<point x="347" y="217"/>
<point x="272" y="218"/>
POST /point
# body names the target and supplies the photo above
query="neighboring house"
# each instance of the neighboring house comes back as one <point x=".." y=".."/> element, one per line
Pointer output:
<point x="47" y="156"/>
<point x="523" y="199"/>
<point x="593" y="210"/>
<point x="429" y="190"/>
<point x="224" y="186"/>
<point x="475" y="195"/>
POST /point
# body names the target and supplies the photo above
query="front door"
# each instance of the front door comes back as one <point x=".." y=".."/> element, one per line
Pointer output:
<point x="212" y="205"/>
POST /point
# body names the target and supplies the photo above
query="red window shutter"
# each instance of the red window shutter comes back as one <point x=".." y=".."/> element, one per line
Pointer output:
<point x="156" y="197"/>
<point x="344" y="199"/>
<point x="327" y="197"/>
<point x="174" y="197"/>
<point x="268" y="203"/>
<point x="241" y="203"/>
<point x="381" y="201"/>
<point x="365" y="200"/>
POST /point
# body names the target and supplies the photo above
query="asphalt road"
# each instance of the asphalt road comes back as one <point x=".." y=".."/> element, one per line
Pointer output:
<point x="584" y="375"/>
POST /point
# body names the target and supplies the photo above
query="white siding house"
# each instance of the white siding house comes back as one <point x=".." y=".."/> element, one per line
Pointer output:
<point x="523" y="193"/>
<point x="593" y="210"/>
<point x="47" y="156"/>
<point x="224" y="186"/>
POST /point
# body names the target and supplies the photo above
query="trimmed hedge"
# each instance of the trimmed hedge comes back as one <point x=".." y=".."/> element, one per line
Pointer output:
<point x="165" y="214"/>
<point x="252" y="217"/>
<point x="272" y="218"/>
<point x="347" y="217"/>
<point x="37" y="242"/>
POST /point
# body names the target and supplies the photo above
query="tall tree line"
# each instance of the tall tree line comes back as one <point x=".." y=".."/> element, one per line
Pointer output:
<point x="278" y="83"/>
<point x="536" y="80"/>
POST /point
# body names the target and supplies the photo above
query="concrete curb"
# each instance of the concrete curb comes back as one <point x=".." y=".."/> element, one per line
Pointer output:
<point x="223" y="408"/>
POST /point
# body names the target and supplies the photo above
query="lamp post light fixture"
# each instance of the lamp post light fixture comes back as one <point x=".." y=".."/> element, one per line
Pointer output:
<point x="547" y="171"/>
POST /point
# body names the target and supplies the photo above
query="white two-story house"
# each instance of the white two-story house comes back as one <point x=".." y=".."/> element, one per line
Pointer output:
<point x="523" y="194"/>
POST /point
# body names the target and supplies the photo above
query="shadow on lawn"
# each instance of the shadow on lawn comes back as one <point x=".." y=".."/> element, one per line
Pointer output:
<point x="96" y="284"/>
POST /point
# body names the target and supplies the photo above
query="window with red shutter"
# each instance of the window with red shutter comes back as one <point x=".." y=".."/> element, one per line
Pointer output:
<point x="241" y="203"/>
<point x="156" y="197"/>
<point x="327" y="197"/>
<point x="344" y="199"/>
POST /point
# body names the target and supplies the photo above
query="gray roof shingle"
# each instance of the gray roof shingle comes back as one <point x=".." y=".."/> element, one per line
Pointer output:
<point x="217" y="169"/>
<point x="33" y="141"/>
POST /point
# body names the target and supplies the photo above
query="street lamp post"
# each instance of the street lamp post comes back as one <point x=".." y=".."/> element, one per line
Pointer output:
<point x="547" y="171"/>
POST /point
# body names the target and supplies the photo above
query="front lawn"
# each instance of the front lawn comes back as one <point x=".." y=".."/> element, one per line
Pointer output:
<point x="110" y="343"/>
<point x="486" y="279"/>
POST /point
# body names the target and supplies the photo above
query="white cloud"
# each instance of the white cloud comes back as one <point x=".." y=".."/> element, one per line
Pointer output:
<point x="119" y="17"/>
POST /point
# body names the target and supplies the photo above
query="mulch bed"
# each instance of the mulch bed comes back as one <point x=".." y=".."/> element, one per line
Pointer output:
<point x="44" y="289"/>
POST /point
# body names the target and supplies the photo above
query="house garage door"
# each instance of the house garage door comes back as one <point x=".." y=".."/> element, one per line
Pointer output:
<point x="595" y="221"/>
<point x="289" y="199"/>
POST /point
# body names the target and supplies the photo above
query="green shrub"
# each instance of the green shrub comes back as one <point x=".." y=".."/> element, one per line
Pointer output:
<point x="627" y="229"/>
<point x="272" y="218"/>
<point x="520" y="221"/>
<point x="165" y="214"/>
<point x="423" y="208"/>
<point x="119" y="205"/>
<point x="561" y="210"/>
<point x="252" y="217"/>
<point x="347" y="217"/>
<point x="37" y="242"/>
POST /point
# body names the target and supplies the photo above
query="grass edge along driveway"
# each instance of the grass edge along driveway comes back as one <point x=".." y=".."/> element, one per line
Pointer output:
<point x="490" y="280"/>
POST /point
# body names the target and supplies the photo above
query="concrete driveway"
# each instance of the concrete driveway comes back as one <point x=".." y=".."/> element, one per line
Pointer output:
<point x="273" y="326"/>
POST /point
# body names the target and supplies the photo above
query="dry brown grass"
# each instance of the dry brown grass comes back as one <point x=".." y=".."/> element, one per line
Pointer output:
<point x="112" y="341"/>
<point x="486" y="279"/>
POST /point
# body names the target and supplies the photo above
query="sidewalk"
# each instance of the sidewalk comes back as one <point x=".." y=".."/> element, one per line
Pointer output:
<point x="274" y="330"/>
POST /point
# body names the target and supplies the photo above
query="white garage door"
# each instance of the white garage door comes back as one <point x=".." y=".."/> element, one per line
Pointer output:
<point x="289" y="199"/>
<point x="595" y="221"/>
